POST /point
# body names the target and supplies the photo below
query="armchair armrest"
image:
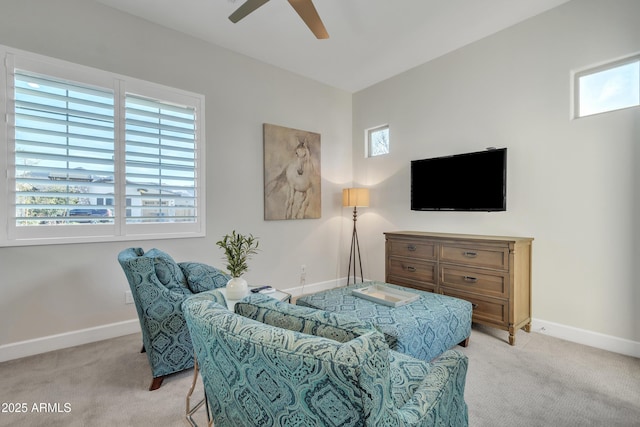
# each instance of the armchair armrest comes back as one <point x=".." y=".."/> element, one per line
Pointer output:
<point x="335" y="326"/>
<point x="212" y="295"/>
<point x="440" y="395"/>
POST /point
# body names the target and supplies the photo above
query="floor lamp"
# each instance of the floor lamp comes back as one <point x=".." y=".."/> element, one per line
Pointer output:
<point x="356" y="197"/>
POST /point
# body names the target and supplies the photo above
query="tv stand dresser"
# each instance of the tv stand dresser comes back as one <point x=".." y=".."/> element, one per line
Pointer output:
<point x="491" y="272"/>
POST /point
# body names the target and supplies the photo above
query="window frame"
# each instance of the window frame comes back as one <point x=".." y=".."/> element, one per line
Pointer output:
<point x="121" y="86"/>
<point x="368" y="141"/>
<point x="606" y="66"/>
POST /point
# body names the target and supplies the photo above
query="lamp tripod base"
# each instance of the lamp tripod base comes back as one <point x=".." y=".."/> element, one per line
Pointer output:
<point x="355" y="251"/>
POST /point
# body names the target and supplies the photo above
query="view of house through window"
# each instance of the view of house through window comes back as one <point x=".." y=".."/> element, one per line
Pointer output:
<point x="160" y="161"/>
<point x="610" y="87"/>
<point x="79" y="159"/>
<point x="378" y="141"/>
<point x="64" y="152"/>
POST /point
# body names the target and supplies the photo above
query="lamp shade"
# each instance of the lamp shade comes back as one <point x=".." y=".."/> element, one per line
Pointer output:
<point x="355" y="197"/>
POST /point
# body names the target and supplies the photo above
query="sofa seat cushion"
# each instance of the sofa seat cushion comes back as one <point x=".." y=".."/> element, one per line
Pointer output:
<point x="202" y="277"/>
<point x="168" y="271"/>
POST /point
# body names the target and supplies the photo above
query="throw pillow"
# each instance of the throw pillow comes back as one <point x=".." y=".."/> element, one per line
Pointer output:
<point x="202" y="277"/>
<point x="168" y="271"/>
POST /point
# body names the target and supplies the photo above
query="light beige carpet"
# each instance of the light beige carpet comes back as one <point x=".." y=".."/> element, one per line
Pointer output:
<point x="547" y="382"/>
<point x="541" y="381"/>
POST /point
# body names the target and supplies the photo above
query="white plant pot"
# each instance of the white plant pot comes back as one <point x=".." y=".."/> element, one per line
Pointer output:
<point x="237" y="288"/>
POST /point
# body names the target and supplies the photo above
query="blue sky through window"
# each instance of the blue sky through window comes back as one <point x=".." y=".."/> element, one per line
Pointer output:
<point x="611" y="89"/>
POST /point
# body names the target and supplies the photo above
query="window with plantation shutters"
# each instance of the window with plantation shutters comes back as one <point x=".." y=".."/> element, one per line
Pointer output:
<point x="94" y="156"/>
<point x="64" y="152"/>
<point x="160" y="161"/>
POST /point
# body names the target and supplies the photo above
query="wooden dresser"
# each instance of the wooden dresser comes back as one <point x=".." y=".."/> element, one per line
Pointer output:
<point x="492" y="272"/>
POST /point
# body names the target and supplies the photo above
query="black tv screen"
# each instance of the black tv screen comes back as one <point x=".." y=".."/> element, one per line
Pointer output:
<point x="464" y="182"/>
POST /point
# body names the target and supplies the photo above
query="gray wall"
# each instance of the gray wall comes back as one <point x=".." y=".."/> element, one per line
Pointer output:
<point x="572" y="184"/>
<point x="48" y="290"/>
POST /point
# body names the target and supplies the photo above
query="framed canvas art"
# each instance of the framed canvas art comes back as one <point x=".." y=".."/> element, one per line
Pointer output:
<point x="291" y="173"/>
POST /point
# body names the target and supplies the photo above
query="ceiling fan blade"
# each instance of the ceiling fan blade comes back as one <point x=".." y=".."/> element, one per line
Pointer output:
<point x="246" y="8"/>
<point x="309" y="15"/>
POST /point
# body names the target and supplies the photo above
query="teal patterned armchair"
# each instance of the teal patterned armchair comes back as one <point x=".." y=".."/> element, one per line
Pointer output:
<point x="159" y="285"/>
<point x="276" y="364"/>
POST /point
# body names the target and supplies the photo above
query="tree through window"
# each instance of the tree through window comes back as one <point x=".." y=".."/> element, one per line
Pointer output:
<point x="378" y="141"/>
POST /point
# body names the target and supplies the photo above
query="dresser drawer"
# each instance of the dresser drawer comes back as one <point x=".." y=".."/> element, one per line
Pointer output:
<point x="475" y="280"/>
<point x="479" y="256"/>
<point x="403" y="281"/>
<point x="412" y="269"/>
<point x="411" y="249"/>
<point x="485" y="310"/>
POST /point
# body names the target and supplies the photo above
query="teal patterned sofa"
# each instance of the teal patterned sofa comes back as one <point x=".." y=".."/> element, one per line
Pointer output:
<point x="276" y="364"/>
<point x="159" y="285"/>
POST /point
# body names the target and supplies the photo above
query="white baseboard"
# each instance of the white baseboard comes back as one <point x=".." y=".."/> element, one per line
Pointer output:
<point x="85" y="336"/>
<point x="67" y="339"/>
<point x="316" y="287"/>
<point x="586" y="337"/>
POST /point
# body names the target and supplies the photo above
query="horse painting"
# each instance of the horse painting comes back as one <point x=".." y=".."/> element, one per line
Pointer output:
<point x="292" y="178"/>
<point x="299" y="174"/>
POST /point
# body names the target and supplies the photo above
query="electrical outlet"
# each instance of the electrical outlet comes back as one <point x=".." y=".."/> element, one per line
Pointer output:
<point x="128" y="298"/>
<point x="303" y="274"/>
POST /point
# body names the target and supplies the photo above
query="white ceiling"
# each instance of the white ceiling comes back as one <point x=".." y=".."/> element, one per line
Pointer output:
<point x="370" y="40"/>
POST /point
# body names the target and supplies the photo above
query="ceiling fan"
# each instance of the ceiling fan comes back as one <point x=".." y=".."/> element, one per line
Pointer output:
<point x="305" y="9"/>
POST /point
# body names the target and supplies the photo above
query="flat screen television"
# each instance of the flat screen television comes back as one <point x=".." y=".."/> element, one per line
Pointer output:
<point x="463" y="182"/>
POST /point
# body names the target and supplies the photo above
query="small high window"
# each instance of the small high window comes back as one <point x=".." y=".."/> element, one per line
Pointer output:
<point x="378" y="141"/>
<point x="609" y="87"/>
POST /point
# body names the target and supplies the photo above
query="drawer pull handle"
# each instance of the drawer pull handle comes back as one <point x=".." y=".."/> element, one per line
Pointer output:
<point x="470" y="254"/>
<point x="411" y="248"/>
<point x="474" y="306"/>
<point x="411" y="269"/>
<point x="470" y="279"/>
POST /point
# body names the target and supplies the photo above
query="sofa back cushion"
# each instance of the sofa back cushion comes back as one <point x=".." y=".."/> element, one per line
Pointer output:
<point x="202" y="277"/>
<point x="335" y="326"/>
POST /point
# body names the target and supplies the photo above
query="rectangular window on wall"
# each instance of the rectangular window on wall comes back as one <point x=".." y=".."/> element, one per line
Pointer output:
<point x="94" y="156"/>
<point x="377" y="141"/>
<point x="64" y="151"/>
<point x="160" y="161"/>
<point x="610" y="87"/>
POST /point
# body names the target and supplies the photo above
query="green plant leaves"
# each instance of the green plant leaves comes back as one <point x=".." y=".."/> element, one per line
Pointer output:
<point x="238" y="249"/>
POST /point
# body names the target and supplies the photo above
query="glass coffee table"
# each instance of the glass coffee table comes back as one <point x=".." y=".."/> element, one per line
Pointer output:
<point x="190" y="410"/>
<point x="279" y="295"/>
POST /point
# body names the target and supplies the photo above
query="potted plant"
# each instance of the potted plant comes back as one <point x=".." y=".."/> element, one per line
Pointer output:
<point x="238" y="249"/>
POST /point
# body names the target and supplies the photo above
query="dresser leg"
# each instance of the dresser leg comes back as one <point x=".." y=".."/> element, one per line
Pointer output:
<point x="512" y="335"/>
<point x="527" y="327"/>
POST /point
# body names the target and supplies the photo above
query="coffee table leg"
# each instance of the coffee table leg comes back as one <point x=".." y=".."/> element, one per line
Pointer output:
<point x="189" y="410"/>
